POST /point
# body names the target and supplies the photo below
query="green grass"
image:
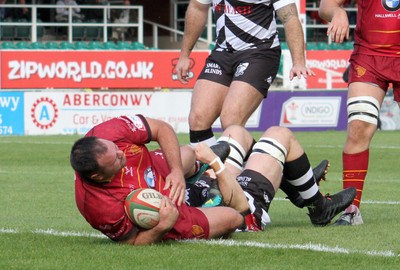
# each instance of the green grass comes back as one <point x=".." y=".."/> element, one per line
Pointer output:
<point x="40" y="227"/>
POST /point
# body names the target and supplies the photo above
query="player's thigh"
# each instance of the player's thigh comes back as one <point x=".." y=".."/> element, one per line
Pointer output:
<point x="266" y="165"/>
<point x="240" y="102"/>
<point x="222" y="220"/>
<point x="206" y="104"/>
<point x="188" y="158"/>
<point x="357" y="89"/>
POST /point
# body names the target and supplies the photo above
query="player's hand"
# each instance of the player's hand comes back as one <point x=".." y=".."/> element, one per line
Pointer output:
<point x="299" y="70"/>
<point x="175" y="181"/>
<point x="339" y="28"/>
<point x="182" y="69"/>
<point x="168" y="215"/>
<point x="204" y="153"/>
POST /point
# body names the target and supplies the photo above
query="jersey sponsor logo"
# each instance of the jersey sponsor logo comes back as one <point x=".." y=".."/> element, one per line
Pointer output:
<point x="213" y="68"/>
<point x="228" y="9"/>
<point x="391" y="5"/>
<point x="149" y="177"/>
<point x="243" y="180"/>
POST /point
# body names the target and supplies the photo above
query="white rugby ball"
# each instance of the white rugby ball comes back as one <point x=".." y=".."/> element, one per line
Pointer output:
<point x="142" y="207"/>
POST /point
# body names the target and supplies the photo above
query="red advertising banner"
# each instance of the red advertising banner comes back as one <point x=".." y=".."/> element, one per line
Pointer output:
<point x="328" y="67"/>
<point x="95" y="69"/>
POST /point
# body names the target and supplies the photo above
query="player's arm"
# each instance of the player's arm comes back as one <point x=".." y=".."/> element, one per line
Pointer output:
<point x="288" y="15"/>
<point x="232" y="194"/>
<point x="163" y="133"/>
<point x="332" y="11"/>
<point x="168" y="216"/>
<point x="195" y="21"/>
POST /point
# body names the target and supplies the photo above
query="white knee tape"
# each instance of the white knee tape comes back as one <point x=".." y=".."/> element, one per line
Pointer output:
<point x="236" y="154"/>
<point x="271" y="147"/>
<point x="363" y="108"/>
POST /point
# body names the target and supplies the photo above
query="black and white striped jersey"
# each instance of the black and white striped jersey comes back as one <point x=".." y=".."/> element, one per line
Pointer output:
<point x="245" y="24"/>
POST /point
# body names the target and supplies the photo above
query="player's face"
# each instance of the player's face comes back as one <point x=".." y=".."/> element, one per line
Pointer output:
<point x="112" y="161"/>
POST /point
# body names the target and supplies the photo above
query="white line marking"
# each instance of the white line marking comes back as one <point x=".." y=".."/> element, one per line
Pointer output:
<point x="363" y="202"/>
<point x="5" y="230"/>
<point x="75" y="234"/>
<point x="310" y="246"/>
<point x="230" y="242"/>
<point x="308" y="146"/>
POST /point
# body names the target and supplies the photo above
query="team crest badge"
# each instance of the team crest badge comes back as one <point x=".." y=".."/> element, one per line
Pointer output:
<point x="391" y="5"/>
<point x="241" y="68"/>
<point x="360" y="71"/>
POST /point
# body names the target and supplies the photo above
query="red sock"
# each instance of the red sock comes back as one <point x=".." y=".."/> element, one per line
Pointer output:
<point x="355" y="168"/>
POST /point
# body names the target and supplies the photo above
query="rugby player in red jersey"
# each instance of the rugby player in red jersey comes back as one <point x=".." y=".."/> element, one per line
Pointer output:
<point x="374" y="66"/>
<point x="112" y="160"/>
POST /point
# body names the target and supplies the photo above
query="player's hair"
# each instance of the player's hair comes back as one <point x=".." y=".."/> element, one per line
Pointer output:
<point x="84" y="154"/>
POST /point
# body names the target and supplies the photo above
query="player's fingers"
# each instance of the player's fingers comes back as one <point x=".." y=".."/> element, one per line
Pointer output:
<point x="182" y="74"/>
<point x="339" y="36"/>
<point x="291" y="75"/>
<point x="333" y="33"/>
<point x="181" y="78"/>
<point x="310" y="72"/>
<point x="172" y="194"/>
<point x="164" y="202"/>
<point x="329" y="30"/>
<point x="167" y="184"/>
<point x="167" y="202"/>
<point x="181" y="196"/>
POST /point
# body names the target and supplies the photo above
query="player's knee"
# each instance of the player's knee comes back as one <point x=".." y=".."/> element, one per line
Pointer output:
<point x="365" y="109"/>
<point x="237" y="220"/>
<point x="237" y="151"/>
<point x="230" y="119"/>
<point x="199" y="120"/>
<point x="240" y="134"/>
<point x="277" y="132"/>
<point x="233" y="131"/>
<point x="272" y="147"/>
<point x="360" y="132"/>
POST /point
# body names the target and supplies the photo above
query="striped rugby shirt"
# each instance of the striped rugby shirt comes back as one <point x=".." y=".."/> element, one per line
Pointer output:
<point x="246" y="24"/>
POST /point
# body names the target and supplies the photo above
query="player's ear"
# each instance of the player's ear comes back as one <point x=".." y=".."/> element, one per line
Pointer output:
<point x="97" y="177"/>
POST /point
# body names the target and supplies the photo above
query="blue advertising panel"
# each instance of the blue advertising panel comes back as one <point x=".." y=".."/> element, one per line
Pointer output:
<point x="11" y="113"/>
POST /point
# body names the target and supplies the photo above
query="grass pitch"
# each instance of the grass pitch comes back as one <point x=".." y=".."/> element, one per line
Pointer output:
<point x="41" y="228"/>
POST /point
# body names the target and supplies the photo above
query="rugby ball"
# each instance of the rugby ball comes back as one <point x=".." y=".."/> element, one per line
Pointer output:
<point x="142" y="207"/>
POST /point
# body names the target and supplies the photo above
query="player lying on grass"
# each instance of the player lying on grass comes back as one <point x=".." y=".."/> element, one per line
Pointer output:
<point x="112" y="160"/>
<point x="277" y="155"/>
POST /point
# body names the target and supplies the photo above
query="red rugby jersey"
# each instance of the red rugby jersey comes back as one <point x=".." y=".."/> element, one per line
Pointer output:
<point x="102" y="206"/>
<point x="378" y="28"/>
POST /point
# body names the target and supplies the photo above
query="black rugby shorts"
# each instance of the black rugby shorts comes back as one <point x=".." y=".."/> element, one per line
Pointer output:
<point x="257" y="67"/>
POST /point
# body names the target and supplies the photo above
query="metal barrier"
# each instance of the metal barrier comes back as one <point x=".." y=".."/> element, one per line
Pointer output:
<point x="36" y="26"/>
<point x="105" y="25"/>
